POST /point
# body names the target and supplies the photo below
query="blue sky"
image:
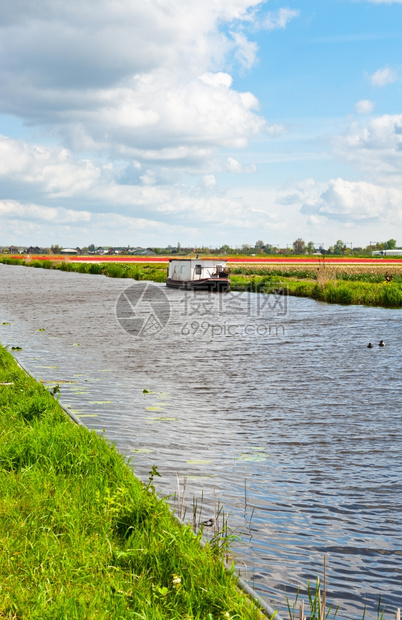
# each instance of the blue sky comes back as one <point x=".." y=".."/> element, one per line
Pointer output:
<point x="227" y="121"/>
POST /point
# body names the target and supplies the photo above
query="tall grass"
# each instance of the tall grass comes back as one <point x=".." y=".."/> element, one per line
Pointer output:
<point x="81" y="537"/>
<point x="386" y="294"/>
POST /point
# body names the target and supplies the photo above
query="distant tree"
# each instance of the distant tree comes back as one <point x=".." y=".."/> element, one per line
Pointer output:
<point x="245" y="248"/>
<point x="390" y="244"/>
<point x="310" y="247"/>
<point x="225" y="248"/>
<point x="91" y="248"/>
<point x="299" y="247"/>
<point x="259" y="245"/>
<point x="56" y="249"/>
<point x="178" y="246"/>
<point x="339" y="247"/>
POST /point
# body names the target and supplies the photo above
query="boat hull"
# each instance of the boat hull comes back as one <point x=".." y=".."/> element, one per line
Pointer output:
<point x="218" y="285"/>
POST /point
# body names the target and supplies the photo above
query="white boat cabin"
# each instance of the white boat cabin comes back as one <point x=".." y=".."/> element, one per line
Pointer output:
<point x="192" y="269"/>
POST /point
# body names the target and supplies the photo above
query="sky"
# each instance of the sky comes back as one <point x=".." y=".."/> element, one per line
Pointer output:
<point x="158" y="122"/>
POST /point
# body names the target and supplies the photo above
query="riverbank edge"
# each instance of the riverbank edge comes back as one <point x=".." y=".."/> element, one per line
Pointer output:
<point x="81" y="536"/>
<point x="328" y="289"/>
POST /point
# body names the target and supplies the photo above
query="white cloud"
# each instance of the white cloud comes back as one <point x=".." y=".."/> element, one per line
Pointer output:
<point x="375" y="148"/>
<point x="384" y="76"/>
<point x="141" y="98"/>
<point x="364" y="106"/>
<point x="52" y="169"/>
<point x="105" y="75"/>
<point x="246" y="51"/>
<point x="279" y="19"/>
<point x="346" y="201"/>
<point x="236" y="167"/>
<point x="16" y="210"/>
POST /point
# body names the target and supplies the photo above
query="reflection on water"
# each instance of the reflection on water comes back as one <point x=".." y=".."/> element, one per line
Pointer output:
<point x="279" y="408"/>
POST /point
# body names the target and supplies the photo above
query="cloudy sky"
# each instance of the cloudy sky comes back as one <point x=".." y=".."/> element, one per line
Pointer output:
<point x="152" y="122"/>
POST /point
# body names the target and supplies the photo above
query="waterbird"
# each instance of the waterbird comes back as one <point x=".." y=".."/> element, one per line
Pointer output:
<point x="381" y="343"/>
<point x="369" y="346"/>
<point x="208" y="522"/>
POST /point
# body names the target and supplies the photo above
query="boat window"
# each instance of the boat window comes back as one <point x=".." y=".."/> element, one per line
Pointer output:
<point x="198" y="270"/>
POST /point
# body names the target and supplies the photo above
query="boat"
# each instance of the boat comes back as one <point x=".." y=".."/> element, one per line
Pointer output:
<point x="199" y="274"/>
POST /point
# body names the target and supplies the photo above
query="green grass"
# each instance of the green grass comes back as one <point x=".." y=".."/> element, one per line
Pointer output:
<point x="81" y="537"/>
<point x="386" y="294"/>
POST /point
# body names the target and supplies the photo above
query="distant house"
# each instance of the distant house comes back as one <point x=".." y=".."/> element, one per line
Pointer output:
<point x="387" y="252"/>
<point x="142" y="251"/>
<point x="33" y="250"/>
<point x="69" y="251"/>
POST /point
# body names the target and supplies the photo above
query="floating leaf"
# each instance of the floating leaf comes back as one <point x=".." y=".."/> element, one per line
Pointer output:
<point x="41" y="329"/>
<point x="154" y="408"/>
<point x="142" y="450"/>
<point x="48" y="367"/>
<point x="99" y="402"/>
<point x="146" y="391"/>
<point x="168" y="419"/>
<point x="76" y="344"/>
<point x="16" y="348"/>
<point x="156" y="420"/>
<point x="87" y="415"/>
<point x="5" y="323"/>
<point x="199" y="462"/>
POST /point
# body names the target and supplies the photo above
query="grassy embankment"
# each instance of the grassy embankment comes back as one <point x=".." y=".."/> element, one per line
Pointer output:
<point x="371" y="285"/>
<point x="81" y="537"/>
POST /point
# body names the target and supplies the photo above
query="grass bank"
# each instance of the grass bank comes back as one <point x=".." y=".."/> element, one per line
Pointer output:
<point x="380" y="286"/>
<point x="81" y="537"/>
<point x="388" y="295"/>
